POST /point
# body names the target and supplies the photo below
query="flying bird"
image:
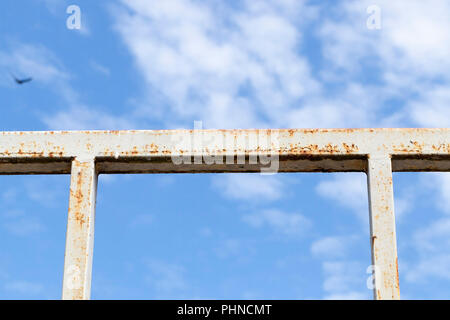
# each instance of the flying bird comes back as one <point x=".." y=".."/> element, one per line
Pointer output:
<point x="21" y="81"/>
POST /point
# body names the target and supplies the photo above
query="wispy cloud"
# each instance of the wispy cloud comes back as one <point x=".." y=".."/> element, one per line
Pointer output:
<point x="24" y="287"/>
<point x="345" y="280"/>
<point x="344" y="277"/>
<point x="348" y="190"/>
<point x="55" y="6"/>
<point x="167" y="279"/>
<point x="83" y="117"/>
<point x="245" y="66"/>
<point x="332" y="247"/>
<point x="213" y="62"/>
<point x="142" y="220"/>
<point x="406" y="56"/>
<point x="229" y="248"/>
<point x="432" y="110"/>
<point x="431" y="258"/>
<point x="100" y="68"/>
<point x="289" y="224"/>
<point x="40" y="191"/>
<point x="222" y="65"/>
<point x="248" y="186"/>
<point x="24" y="226"/>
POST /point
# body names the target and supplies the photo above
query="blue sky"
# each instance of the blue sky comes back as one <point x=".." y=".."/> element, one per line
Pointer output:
<point x="138" y="64"/>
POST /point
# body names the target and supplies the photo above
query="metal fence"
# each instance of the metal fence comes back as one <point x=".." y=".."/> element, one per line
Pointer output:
<point x="85" y="154"/>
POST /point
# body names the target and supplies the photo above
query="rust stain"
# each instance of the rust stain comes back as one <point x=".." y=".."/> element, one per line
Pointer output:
<point x="441" y="148"/>
<point x="350" y="148"/>
<point x="397" y="276"/>
<point x="77" y="210"/>
<point x="79" y="196"/>
<point x="395" y="142"/>
<point x="412" y="147"/>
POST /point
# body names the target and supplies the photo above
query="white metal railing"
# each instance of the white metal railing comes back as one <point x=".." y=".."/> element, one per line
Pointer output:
<point x="85" y="154"/>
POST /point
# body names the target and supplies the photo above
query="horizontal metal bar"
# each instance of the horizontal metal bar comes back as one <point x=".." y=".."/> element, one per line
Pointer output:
<point x="154" y="151"/>
<point x="85" y="154"/>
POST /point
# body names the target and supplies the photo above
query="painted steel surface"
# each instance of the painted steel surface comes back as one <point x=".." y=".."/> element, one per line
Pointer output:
<point x="85" y="154"/>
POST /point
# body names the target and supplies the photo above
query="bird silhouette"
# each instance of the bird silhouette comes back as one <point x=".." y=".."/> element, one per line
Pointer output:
<point x="21" y="81"/>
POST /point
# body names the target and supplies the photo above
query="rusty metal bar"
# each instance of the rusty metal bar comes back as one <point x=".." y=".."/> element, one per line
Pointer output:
<point x="382" y="227"/>
<point x="85" y="154"/>
<point x="80" y="231"/>
<point x="149" y="151"/>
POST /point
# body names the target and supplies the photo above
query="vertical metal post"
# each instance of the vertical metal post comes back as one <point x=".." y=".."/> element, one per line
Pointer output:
<point x="382" y="228"/>
<point x="80" y="231"/>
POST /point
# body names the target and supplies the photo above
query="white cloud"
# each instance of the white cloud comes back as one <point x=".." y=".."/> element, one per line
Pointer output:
<point x="85" y="28"/>
<point x="327" y="114"/>
<point x="432" y="109"/>
<point x="229" y="248"/>
<point x="56" y="7"/>
<point x="166" y="278"/>
<point x="285" y="223"/>
<point x="332" y="247"/>
<point x="431" y="258"/>
<point x="24" y="226"/>
<point x="249" y="186"/>
<point x="420" y="34"/>
<point x="24" y="287"/>
<point x="106" y="179"/>
<point x="413" y="42"/>
<point x="82" y="117"/>
<point x="345" y="280"/>
<point x="440" y="183"/>
<point x="43" y="190"/>
<point x="434" y="237"/>
<point x="348" y="190"/>
<point x="203" y="58"/>
<point x="100" y="68"/>
<point x="408" y="57"/>
<point x="430" y="267"/>
<point x="403" y="204"/>
<point x="142" y="220"/>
